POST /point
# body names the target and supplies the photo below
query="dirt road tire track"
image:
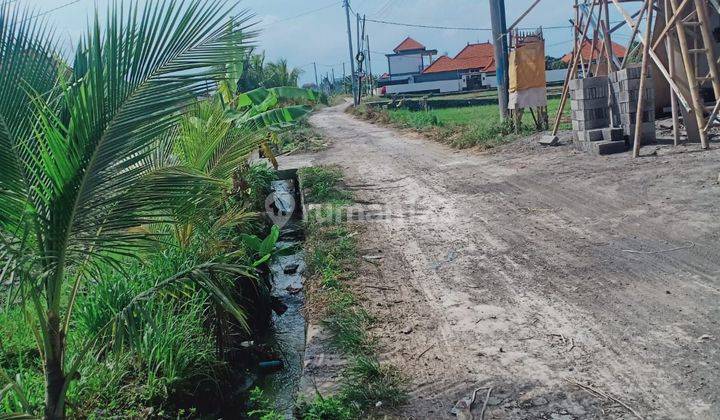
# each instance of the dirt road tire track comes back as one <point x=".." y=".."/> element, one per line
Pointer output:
<point x="526" y="267"/>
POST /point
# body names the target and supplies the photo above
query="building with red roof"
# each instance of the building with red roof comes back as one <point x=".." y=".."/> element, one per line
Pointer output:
<point x="408" y="44"/>
<point x="412" y="70"/>
<point x="590" y="54"/>
<point x="409" y="58"/>
<point x="472" y="58"/>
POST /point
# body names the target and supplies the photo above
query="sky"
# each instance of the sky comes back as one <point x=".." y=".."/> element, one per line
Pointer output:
<point x="307" y="31"/>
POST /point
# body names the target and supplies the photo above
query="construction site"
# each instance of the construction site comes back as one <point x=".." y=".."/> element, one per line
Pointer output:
<point x="614" y="102"/>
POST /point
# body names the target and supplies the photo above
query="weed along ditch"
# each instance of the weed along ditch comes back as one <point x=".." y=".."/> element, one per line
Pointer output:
<point x="336" y="373"/>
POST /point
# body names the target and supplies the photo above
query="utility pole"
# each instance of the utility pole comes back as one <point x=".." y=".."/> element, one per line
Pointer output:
<point x="359" y="64"/>
<point x="367" y="41"/>
<point x="344" y="75"/>
<point x="499" y="31"/>
<point x="316" y="79"/>
<point x="333" y="79"/>
<point x="346" y="4"/>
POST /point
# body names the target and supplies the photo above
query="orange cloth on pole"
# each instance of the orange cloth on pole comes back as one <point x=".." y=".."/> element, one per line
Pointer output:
<point x="527" y="67"/>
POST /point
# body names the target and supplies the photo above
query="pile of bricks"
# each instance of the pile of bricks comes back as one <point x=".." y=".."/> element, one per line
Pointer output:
<point x="624" y="89"/>
<point x="590" y="104"/>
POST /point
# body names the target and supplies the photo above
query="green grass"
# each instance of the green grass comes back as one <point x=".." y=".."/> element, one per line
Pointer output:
<point x="332" y="257"/>
<point x="167" y="360"/>
<point x="261" y="407"/>
<point x="465" y="126"/>
<point x="322" y="185"/>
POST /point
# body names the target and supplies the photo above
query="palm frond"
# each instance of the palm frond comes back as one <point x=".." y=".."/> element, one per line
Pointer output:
<point x="29" y="64"/>
<point x="131" y="83"/>
<point x="211" y="144"/>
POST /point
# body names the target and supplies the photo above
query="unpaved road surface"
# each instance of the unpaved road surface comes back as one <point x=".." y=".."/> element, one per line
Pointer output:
<point x="526" y="268"/>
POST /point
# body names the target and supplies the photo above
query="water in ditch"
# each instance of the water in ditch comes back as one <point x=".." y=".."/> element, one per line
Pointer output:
<point x="281" y="377"/>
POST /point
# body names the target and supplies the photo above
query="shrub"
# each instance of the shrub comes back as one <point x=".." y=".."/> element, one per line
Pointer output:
<point x="330" y="408"/>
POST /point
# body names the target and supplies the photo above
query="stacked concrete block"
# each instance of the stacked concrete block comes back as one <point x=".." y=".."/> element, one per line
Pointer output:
<point x="624" y="91"/>
<point x="589" y="101"/>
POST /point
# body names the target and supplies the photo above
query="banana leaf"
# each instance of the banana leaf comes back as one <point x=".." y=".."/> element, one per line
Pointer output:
<point x="275" y="118"/>
<point x="261" y="96"/>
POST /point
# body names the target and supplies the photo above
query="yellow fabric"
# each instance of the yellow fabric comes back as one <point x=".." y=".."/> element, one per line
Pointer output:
<point x="527" y="67"/>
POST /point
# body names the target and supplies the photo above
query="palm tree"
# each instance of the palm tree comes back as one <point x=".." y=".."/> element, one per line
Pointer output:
<point x="280" y="74"/>
<point x="83" y="162"/>
<point x="253" y="71"/>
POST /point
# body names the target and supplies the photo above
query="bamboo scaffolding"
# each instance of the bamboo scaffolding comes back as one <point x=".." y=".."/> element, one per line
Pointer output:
<point x="688" y="64"/>
<point x="671" y="64"/>
<point x="632" y="38"/>
<point x="643" y="79"/>
<point x="686" y="37"/>
<point x="669" y="24"/>
<point x="570" y="73"/>
<point x="708" y="42"/>
<point x="658" y="63"/>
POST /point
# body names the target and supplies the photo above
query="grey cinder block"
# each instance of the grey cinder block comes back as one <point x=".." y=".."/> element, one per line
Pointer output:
<point x="602" y="147"/>
<point x="590" y="135"/>
<point x="613" y="134"/>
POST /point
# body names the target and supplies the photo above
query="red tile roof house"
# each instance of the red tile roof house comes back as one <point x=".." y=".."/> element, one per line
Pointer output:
<point x="590" y="55"/>
<point x="408" y="59"/>
<point x="474" y="65"/>
<point x="471" y="68"/>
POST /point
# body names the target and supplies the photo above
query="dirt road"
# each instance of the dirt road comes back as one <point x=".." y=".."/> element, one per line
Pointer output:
<point x="526" y="268"/>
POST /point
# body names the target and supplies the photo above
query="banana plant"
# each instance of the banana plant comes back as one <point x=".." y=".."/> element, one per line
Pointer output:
<point x="262" y="108"/>
<point x="265" y="249"/>
<point x="78" y="155"/>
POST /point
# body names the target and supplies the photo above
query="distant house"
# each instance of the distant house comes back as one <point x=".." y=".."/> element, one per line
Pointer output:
<point x="408" y="60"/>
<point x="590" y="54"/>
<point x="411" y="69"/>
<point x="474" y="66"/>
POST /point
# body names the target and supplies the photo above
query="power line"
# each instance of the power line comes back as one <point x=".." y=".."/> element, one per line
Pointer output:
<point x="414" y="25"/>
<point x="335" y="3"/>
<point x="456" y="28"/>
<point x="560" y="43"/>
<point x="384" y="7"/>
<point x="47" y="12"/>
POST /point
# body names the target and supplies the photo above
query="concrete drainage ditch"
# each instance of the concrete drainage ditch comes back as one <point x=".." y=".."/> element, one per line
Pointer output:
<point x="280" y="378"/>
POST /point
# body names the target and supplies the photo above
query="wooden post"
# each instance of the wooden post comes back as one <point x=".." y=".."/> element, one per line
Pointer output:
<point x="606" y="35"/>
<point x="643" y="79"/>
<point x="592" y="47"/>
<point x="671" y="63"/>
<point x="632" y="38"/>
<point x="697" y="103"/>
<point x="577" y="24"/>
<point x="709" y="44"/>
<point x="655" y="58"/>
<point x="570" y="73"/>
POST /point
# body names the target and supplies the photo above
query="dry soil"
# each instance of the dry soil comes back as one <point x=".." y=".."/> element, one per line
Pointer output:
<point x="531" y="270"/>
